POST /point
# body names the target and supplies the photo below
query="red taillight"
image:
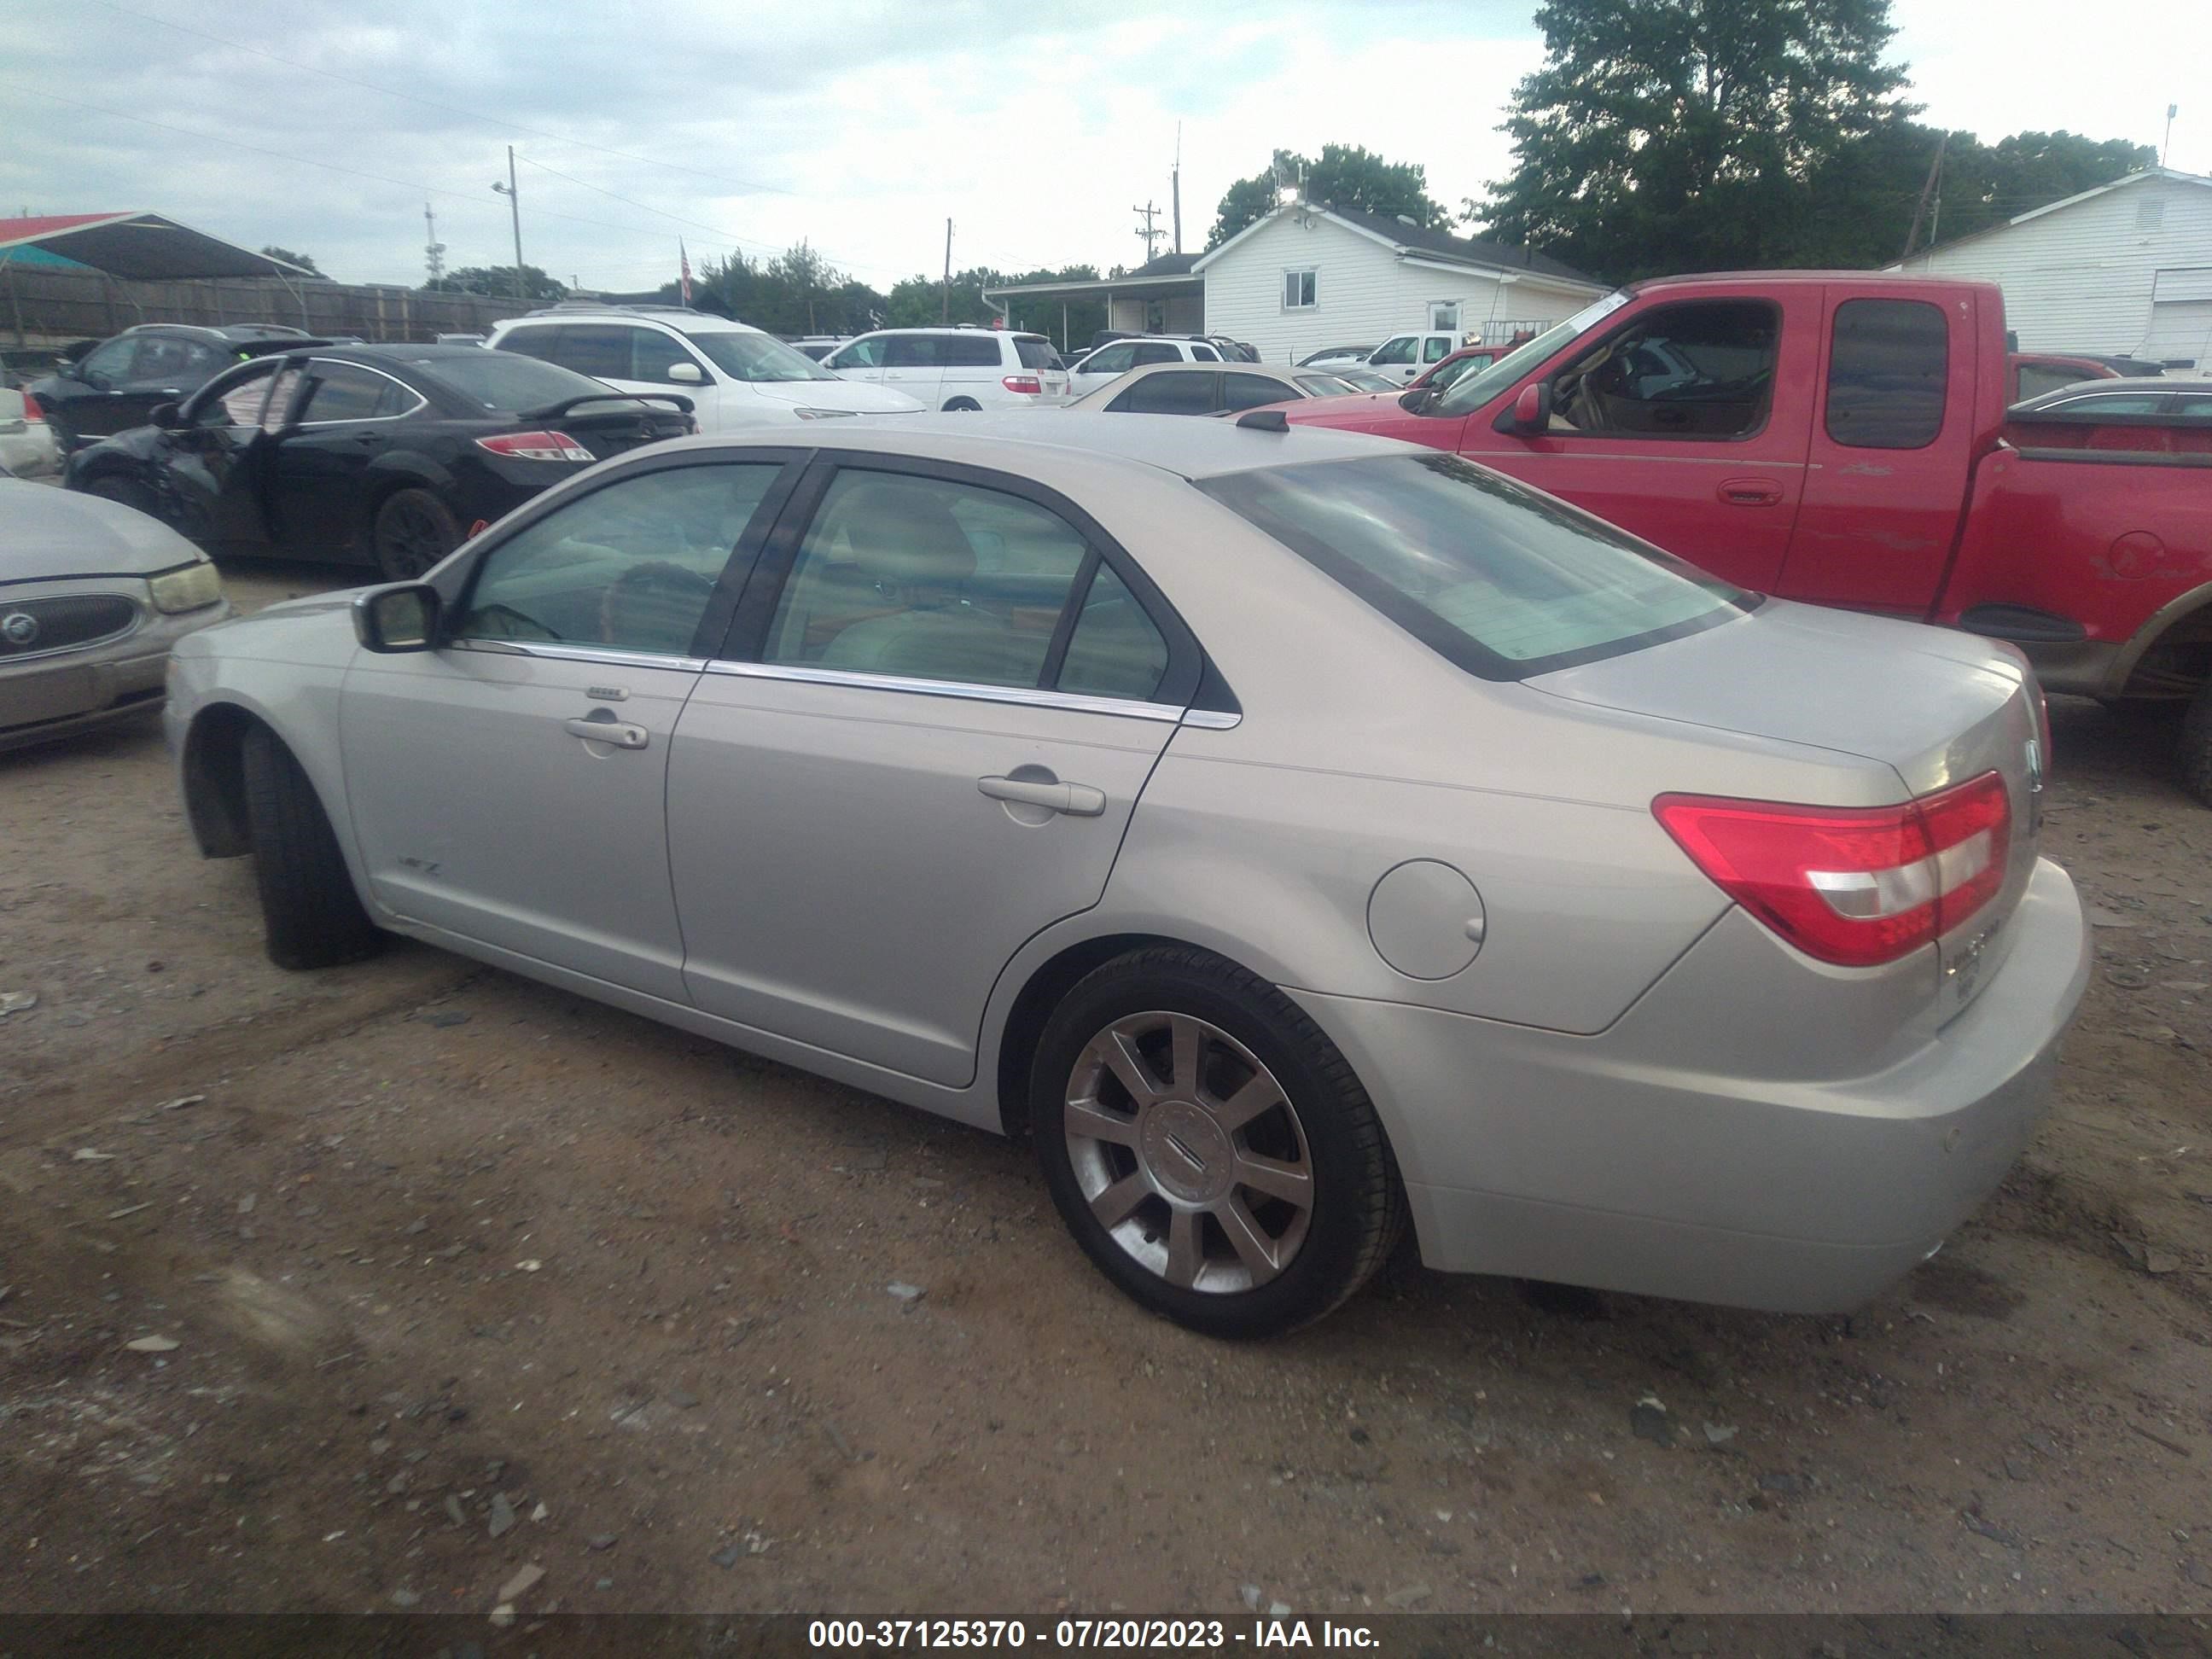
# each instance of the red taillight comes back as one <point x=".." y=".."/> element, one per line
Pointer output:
<point x="31" y="410"/>
<point x="537" y="446"/>
<point x="1852" y="886"/>
<point x="1028" y="383"/>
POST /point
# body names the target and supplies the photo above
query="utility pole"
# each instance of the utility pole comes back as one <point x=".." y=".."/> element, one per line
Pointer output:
<point x="1934" y="172"/>
<point x="1175" y="187"/>
<point x="514" y="205"/>
<point x="434" y="250"/>
<point x="944" y="298"/>
<point x="2166" y="143"/>
<point x="1148" y="235"/>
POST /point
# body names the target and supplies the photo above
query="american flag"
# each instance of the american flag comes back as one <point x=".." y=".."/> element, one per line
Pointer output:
<point x="684" y="266"/>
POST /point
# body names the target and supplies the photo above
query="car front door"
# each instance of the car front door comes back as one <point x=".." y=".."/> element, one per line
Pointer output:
<point x="861" y="360"/>
<point x="508" y="787"/>
<point x="943" y="694"/>
<point x="98" y="397"/>
<point x="1394" y="357"/>
<point x="323" y="455"/>
<point x="215" y="460"/>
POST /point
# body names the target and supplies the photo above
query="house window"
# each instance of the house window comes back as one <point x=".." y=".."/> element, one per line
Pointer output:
<point x="1297" y="290"/>
<point x="1443" y="316"/>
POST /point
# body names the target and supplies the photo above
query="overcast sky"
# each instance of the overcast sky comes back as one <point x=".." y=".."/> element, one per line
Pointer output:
<point x="325" y="125"/>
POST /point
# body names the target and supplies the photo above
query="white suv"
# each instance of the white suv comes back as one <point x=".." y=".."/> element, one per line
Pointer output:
<point x="1117" y="357"/>
<point x="735" y="376"/>
<point x="956" y="368"/>
<point x="1403" y="356"/>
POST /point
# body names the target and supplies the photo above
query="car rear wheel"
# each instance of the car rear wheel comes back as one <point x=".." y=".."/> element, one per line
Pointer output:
<point x="311" y="915"/>
<point x="413" y="532"/>
<point x="1208" y="1146"/>
<point x="2197" y="746"/>
<point x="129" y="491"/>
<point x="963" y="406"/>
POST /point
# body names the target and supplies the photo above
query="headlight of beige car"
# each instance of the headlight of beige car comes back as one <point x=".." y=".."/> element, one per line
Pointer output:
<point x="187" y="588"/>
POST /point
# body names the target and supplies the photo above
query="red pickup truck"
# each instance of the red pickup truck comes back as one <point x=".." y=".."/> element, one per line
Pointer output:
<point x="1843" y="437"/>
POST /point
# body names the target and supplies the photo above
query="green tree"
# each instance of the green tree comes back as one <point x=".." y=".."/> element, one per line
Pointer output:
<point x="498" y="281"/>
<point x="289" y="258"/>
<point x="1346" y="175"/>
<point x="1680" y="135"/>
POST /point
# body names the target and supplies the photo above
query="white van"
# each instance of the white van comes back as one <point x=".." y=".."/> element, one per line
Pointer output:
<point x="957" y="368"/>
<point x="734" y="376"/>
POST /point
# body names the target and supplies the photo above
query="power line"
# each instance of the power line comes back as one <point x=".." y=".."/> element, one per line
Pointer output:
<point x="431" y="103"/>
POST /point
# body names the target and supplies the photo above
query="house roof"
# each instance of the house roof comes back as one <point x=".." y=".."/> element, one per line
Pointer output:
<point x="1156" y="279"/>
<point x="2168" y="174"/>
<point x="139" y="247"/>
<point x="1474" y="252"/>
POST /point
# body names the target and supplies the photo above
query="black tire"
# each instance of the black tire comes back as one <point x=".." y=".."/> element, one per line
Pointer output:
<point x="1357" y="1213"/>
<point x="963" y="406"/>
<point x="311" y="915"/>
<point x="412" y="532"/>
<point x="2195" y="752"/>
<point x="127" y="491"/>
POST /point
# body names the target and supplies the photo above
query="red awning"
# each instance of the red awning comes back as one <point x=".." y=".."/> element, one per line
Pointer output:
<point x="143" y="247"/>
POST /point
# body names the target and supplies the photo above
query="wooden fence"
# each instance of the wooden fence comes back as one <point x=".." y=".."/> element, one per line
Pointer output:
<point x="45" y="307"/>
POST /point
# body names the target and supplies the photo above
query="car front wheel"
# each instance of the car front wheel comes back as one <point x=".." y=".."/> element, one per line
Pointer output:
<point x="1208" y="1146"/>
<point x="311" y="915"/>
<point x="2197" y="746"/>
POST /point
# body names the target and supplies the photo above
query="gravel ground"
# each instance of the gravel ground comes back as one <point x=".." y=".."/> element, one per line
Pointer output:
<point x="370" y="1289"/>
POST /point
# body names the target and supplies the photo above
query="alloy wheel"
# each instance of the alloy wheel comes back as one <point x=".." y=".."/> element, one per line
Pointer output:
<point x="410" y="540"/>
<point x="1188" y="1152"/>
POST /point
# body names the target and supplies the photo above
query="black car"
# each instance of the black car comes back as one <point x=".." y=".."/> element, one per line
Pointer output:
<point x="112" y="385"/>
<point x="382" y="455"/>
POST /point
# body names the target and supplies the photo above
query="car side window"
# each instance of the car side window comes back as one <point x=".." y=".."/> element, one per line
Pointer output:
<point x="982" y="352"/>
<point x="652" y="355"/>
<point x="1205" y="353"/>
<point x="911" y="351"/>
<point x="927" y="578"/>
<point x="1171" y="392"/>
<point x="543" y="344"/>
<point x="238" y="402"/>
<point x="347" y="392"/>
<point x="630" y="567"/>
<point x="1399" y="350"/>
<point x="1436" y="349"/>
<point x="1155" y="351"/>
<point x="2095" y="404"/>
<point x="110" y="365"/>
<point x="1109" y="359"/>
<point x="1114" y="651"/>
<point x="861" y="354"/>
<point x="600" y="350"/>
<point x="1252" y="391"/>
<point x="1701" y="369"/>
<point x="281" y="396"/>
<point x="1887" y="364"/>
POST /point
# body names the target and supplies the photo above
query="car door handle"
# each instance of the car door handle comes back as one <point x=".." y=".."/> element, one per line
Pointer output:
<point x="368" y="439"/>
<point x="1077" y="800"/>
<point x="1749" y="492"/>
<point x="621" y="733"/>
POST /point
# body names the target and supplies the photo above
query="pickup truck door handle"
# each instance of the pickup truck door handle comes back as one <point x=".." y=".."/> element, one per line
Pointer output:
<point x="1749" y="492"/>
<point x="1076" y="800"/>
<point x="621" y="733"/>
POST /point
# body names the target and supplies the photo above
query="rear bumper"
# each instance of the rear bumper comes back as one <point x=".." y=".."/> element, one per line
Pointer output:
<point x="1589" y="1161"/>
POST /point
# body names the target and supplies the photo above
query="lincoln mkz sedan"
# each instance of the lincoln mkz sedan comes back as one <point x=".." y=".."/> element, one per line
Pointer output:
<point x="1297" y="834"/>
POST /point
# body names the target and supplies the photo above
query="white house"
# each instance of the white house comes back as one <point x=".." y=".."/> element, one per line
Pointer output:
<point x="1309" y="276"/>
<point x="2124" y="270"/>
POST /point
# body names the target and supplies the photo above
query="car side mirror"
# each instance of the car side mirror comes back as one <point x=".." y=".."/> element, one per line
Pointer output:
<point x="167" y="417"/>
<point x="1420" y="400"/>
<point x="1531" y="412"/>
<point x="687" y="374"/>
<point x="401" y="617"/>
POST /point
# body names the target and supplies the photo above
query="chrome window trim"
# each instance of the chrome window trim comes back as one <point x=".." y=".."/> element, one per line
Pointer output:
<point x="1211" y="720"/>
<point x="1027" y="697"/>
<point x="561" y="651"/>
<point x="420" y="401"/>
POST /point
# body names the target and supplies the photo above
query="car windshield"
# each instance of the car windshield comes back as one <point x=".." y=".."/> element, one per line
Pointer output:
<point x="757" y="357"/>
<point x="506" y="382"/>
<point x="1496" y="577"/>
<point x="1324" y="385"/>
<point x="1470" y="392"/>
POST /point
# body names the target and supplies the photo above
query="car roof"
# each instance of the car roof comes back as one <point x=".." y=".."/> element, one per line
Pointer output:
<point x="942" y="328"/>
<point x="1056" y="445"/>
<point x="684" y="322"/>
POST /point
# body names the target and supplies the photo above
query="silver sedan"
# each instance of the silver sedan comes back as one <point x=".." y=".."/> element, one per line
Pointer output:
<point x="1299" y="836"/>
<point x="92" y="595"/>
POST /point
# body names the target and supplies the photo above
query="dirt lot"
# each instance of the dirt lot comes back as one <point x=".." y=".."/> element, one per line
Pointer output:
<point x="464" y="1275"/>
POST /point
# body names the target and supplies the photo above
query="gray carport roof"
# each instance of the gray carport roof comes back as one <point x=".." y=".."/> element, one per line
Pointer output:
<point x="146" y="247"/>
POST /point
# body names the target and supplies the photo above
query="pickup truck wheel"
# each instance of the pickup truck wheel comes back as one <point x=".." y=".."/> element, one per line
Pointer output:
<point x="2197" y="746"/>
<point x="1209" y="1147"/>
<point x="311" y="915"/>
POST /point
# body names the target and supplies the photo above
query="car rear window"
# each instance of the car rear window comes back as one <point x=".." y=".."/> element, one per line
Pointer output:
<point x="504" y="382"/>
<point x="1037" y="354"/>
<point x="1495" y="577"/>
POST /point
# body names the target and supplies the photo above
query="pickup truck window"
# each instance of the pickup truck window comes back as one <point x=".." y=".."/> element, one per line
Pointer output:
<point x="1701" y="369"/>
<point x="1472" y="391"/>
<point x="1887" y="372"/>
<point x="1493" y="576"/>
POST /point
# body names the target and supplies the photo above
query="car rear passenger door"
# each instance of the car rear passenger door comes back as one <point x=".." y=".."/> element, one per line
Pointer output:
<point x="913" y="364"/>
<point x="508" y="788"/>
<point x="944" y="693"/>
